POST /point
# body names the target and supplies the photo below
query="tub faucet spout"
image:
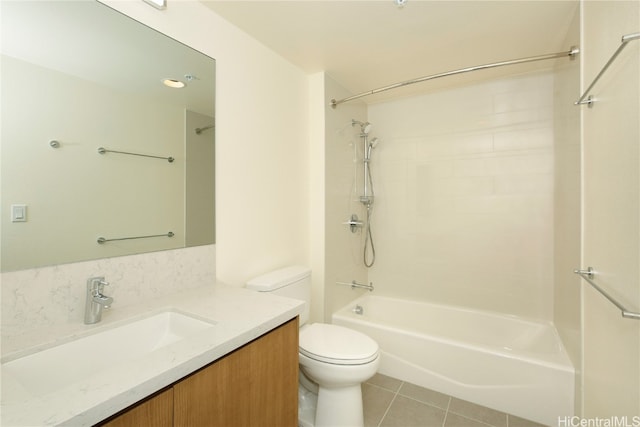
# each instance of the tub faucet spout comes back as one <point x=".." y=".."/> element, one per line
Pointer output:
<point x="96" y="301"/>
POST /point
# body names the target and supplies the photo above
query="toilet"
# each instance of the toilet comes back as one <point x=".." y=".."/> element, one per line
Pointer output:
<point x="334" y="360"/>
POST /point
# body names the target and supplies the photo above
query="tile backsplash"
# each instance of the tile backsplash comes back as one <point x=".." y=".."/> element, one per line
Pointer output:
<point x="41" y="302"/>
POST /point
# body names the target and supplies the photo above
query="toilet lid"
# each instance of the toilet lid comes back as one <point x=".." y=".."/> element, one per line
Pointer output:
<point x="337" y="344"/>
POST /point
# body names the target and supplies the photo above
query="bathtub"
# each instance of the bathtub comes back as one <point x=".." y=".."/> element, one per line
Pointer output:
<point x="506" y="363"/>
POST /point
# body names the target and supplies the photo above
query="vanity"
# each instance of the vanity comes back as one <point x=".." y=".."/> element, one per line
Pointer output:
<point x="134" y="153"/>
<point x="242" y="369"/>
<point x="255" y="385"/>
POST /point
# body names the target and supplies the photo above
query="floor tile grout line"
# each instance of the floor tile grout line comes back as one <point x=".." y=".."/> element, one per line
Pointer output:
<point x="432" y="404"/>
<point x="446" y="412"/>
<point x="384" y="388"/>
<point x="390" y="403"/>
<point x="468" y="417"/>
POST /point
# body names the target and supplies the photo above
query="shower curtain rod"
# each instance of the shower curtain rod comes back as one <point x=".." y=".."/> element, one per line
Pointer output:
<point x="571" y="53"/>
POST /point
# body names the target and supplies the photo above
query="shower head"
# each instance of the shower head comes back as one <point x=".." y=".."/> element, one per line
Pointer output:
<point x="365" y="127"/>
<point x="372" y="144"/>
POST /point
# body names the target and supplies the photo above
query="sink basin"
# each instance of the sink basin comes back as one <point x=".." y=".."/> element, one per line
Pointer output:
<point x="54" y="368"/>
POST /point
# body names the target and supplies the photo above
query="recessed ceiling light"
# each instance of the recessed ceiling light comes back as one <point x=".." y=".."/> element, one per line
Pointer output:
<point x="173" y="83"/>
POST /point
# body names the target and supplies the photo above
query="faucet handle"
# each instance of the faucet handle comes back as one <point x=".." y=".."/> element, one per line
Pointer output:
<point x="96" y="301"/>
<point x="100" y="284"/>
<point x="96" y="284"/>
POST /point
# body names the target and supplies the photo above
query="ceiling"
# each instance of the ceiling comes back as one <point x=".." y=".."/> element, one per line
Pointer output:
<point x="365" y="44"/>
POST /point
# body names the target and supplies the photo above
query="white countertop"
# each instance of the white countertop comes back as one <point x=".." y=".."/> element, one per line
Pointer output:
<point x="240" y="316"/>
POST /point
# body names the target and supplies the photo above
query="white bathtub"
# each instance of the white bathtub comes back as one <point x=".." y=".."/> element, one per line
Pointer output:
<point x="506" y="363"/>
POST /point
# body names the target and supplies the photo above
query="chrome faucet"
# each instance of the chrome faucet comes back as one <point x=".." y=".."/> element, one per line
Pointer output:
<point x="96" y="301"/>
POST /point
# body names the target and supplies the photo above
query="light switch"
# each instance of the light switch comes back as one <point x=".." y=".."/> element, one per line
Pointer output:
<point x="18" y="213"/>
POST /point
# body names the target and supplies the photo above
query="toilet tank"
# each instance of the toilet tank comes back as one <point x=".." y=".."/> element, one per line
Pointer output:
<point x="292" y="282"/>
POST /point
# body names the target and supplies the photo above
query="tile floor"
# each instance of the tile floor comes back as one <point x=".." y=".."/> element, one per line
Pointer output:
<point x="389" y="402"/>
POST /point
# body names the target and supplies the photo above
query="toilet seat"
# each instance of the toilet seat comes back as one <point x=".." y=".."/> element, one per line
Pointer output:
<point x="337" y="345"/>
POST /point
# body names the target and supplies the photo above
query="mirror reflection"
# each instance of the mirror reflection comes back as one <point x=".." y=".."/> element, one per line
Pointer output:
<point x="89" y="122"/>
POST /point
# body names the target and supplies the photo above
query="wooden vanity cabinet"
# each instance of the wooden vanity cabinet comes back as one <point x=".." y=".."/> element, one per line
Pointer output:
<point x="255" y="385"/>
<point x="154" y="411"/>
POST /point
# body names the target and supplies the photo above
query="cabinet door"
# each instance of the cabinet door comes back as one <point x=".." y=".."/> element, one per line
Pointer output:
<point x="156" y="411"/>
<point x="256" y="385"/>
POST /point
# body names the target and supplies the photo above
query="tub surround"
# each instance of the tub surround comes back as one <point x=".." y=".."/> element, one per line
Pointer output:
<point x="465" y="175"/>
<point x="240" y="316"/>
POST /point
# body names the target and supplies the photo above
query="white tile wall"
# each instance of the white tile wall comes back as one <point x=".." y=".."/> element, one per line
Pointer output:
<point x="464" y="186"/>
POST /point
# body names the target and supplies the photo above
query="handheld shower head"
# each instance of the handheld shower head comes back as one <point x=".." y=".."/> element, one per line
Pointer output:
<point x="372" y="144"/>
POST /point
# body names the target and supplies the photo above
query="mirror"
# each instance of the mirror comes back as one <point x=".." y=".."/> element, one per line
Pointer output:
<point x="78" y="76"/>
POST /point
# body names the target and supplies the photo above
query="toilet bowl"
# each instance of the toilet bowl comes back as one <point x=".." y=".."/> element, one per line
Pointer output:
<point x="338" y="360"/>
<point x="334" y="360"/>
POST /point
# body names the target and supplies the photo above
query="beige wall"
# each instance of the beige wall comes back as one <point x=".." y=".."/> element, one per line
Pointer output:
<point x="317" y="215"/>
<point x="343" y="251"/>
<point x="566" y="205"/>
<point x="464" y="184"/>
<point x="611" y="198"/>
<point x="262" y="107"/>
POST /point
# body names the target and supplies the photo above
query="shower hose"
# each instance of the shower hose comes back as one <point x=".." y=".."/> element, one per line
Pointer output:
<point x="368" y="241"/>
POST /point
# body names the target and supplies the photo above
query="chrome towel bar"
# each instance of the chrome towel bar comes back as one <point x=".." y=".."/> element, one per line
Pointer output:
<point x="102" y="240"/>
<point x="588" y="275"/>
<point x="103" y="150"/>
<point x="623" y="43"/>
<point x="355" y="284"/>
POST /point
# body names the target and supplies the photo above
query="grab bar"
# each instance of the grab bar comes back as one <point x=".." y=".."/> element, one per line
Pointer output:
<point x="587" y="275"/>
<point x="623" y="43"/>
<point x="103" y="150"/>
<point x="102" y="240"/>
<point x="355" y="284"/>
